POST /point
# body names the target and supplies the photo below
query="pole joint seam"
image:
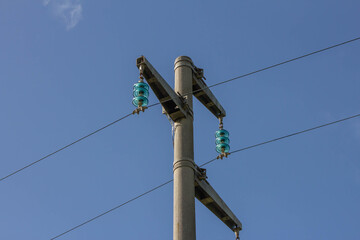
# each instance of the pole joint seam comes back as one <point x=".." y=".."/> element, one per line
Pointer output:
<point x="184" y="163"/>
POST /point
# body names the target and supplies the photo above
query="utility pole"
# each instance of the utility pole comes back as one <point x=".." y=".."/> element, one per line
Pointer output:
<point x="184" y="165"/>
<point x="190" y="181"/>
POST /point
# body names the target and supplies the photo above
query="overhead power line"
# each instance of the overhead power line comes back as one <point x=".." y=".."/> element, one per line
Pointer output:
<point x="284" y="62"/>
<point x="152" y="105"/>
<point x="266" y="68"/>
<point x="63" y="148"/>
<point x="112" y="209"/>
<point x="286" y="136"/>
<point x="208" y="162"/>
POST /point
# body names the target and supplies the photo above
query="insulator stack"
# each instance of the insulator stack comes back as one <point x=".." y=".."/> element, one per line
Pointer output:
<point x="141" y="94"/>
<point x="222" y="141"/>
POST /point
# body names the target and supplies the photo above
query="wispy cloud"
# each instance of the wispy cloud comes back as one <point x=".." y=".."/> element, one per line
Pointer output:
<point x="70" y="11"/>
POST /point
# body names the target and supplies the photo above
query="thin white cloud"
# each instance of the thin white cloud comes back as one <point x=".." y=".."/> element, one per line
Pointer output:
<point x="46" y="2"/>
<point x="69" y="11"/>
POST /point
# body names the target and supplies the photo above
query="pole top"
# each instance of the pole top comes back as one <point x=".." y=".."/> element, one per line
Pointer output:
<point x="183" y="58"/>
<point x="183" y="61"/>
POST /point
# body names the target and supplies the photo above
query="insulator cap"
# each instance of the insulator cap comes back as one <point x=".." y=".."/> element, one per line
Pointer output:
<point x="222" y="140"/>
<point x="222" y="147"/>
<point x="222" y="133"/>
<point x="140" y="101"/>
<point x="141" y="92"/>
<point x="141" y="85"/>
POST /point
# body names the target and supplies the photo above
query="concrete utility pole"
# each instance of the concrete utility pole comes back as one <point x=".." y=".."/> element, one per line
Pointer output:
<point x="184" y="165"/>
<point x="190" y="181"/>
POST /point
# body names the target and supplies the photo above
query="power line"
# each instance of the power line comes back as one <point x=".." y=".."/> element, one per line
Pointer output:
<point x="66" y="146"/>
<point x="208" y="162"/>
<point x="152" y="105"/>
<point x="243" y="149"/>
<point x="284" y="62"/>
<point x="264" y="69"/>
<point x="286" y="136"/>
<point x="114" y="208"/>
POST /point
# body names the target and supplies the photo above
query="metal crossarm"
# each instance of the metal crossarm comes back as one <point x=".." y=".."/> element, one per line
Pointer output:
<point x="208" y="196"/>
<point x="205" y="96"/>
<point x="169" y="100"/>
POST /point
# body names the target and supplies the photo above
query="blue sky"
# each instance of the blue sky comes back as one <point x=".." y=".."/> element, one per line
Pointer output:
<point x="67" y="68"/>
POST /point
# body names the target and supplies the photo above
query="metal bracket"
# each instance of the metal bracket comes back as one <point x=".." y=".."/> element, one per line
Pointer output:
<point x="200" y="172"/>
<point x="185" y="105"/>
<point x="199" y="73"/>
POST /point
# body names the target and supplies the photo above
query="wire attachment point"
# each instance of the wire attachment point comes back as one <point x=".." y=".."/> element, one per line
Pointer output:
<point x="222" y="155"/>
<point x="139" y="109"/>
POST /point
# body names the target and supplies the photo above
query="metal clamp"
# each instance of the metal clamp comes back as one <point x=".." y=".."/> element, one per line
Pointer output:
<point x="222" y="155"/>
<point x="139" y="109"/>
<point x="199" y="72"/>
<point x="200" y="172"/>
<point x="185" y="105"/>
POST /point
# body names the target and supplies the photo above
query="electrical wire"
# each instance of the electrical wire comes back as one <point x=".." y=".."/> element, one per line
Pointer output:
<point x="66" y="146"/>
<point x="264" y="69"/>
<point x="286" y="136"/>
<point x="112" y="209"/>
<point x="284" y="62"/>
<point x="152" y="105"/>
<point x="208" y="162"/>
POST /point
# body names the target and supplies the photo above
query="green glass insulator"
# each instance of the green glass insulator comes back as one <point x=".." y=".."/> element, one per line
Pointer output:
<point x="222" y="147"/>
<point x="141" y="85"/>
<point x="222" y="140"/>
<point x="222" y="133"/>
<point x="141" y="92"/>
<point x="137" y="100"/>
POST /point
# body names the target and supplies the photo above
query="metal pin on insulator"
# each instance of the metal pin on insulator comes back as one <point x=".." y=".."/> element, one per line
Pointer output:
<point x="141" y="69"/>
<point x="237" y="235"/>
<point x="221" y="125"/>
<point x="236" y="231"/>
